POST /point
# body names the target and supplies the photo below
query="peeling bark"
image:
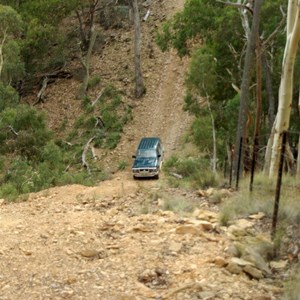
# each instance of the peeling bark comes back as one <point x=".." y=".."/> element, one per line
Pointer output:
<point x="286" y="84"/>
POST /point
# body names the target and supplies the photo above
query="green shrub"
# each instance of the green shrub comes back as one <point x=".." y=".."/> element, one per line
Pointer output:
<point x="262" y="198"/>
<point x="93" y="81"/>
<point x="8" y="97"/>
<point x="122" y="165"/>
<point x="177" y="204"/>
<point x="194" y="171"/>
<point x="292" y="287"/>
<point x="27" y="133"/>
<point x="112" y="140"/>
<point x="8" y="191"/>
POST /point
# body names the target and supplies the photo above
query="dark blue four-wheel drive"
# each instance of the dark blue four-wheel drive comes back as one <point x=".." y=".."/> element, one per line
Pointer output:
<point x="148" y="158"/>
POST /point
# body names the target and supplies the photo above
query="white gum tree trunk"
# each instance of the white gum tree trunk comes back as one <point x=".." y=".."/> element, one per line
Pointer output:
<point x="298" y="157"/>
<point x="286" y="85"/>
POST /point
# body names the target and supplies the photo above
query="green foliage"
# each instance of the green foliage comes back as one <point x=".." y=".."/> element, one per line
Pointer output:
<point x="8" y="97"/>
<point x="10" y="21"/>
<point x="122" y="165"/>
<point x="213" y="34"/>
<point x="24" y="131"/>
<point x="104" y="120"/>
<point x="39" y="39"/>
<point x="202" y="134"/>
<point x="195" y="172"/>
<point x="45" y="44"/>
<point x="261" y="199"/>
<point x="47" y="11"/>
<point x="34" y="161"/>
<point x="94" y="81"/>
<point x="177" y="204"/>
<point x="292" y="288"/>
<point x="202" y="76"/>
<point x="11" y="66"/>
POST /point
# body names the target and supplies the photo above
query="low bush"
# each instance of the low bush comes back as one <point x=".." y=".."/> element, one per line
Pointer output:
<point x="194" y="172"/>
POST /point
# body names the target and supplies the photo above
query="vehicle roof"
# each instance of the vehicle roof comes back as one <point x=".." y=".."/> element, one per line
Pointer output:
<point x="149" y="142"/>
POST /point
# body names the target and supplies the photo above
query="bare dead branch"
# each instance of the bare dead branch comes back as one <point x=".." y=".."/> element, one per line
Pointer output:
<point x="98" y="97"/>
<point x="40" y="96"/>
<point x="146" y="15"/>
<point x="95" y="157"/>
<point x="99" y="122"/>
<point x="13" y="130"/>
<point x="83" y="156"/>
<point x="238" y="5"/>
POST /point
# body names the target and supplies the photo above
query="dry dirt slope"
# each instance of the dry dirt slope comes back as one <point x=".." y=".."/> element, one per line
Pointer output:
<point x="112" y="241"/>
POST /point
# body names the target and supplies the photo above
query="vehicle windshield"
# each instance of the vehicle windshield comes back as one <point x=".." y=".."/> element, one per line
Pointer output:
<point x="146" y="153"/>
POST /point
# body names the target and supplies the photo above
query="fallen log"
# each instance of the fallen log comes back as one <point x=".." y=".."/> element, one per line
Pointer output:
<point x="41" y="94"/>
<point x="83" y="156"/>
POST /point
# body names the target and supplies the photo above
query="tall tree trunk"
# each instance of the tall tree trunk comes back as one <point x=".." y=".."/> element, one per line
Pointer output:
<point x="86" y="61"/>
<point x="258" y="102"/>
<point x="139" y="81"/>
<point x="269" y="91"/>
<point x="214" y="158"/>
<point x="286" y="84"/>
<point x="298" y="156"/>
<point x="1" y="51"/>
<point x="243" y="110"/>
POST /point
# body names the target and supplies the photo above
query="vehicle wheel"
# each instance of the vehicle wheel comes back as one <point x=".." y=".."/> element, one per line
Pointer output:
<point x="134" y="177"/>
<point x="156" y="176"/>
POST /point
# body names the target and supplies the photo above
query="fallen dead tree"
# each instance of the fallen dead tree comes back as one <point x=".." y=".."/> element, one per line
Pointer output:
<point x="84" y="153"/>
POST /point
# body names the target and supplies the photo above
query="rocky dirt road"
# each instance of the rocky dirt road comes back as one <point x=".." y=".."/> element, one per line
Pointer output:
<point x="114" y="242"/>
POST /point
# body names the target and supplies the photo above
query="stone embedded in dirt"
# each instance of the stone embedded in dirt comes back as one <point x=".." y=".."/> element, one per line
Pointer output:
<point x="232" y="250"/>
<point x="196" y="287"/>
<point x="240" y="227"/>
<point x="71" y="279"/>
<point x="157" y="277"/>
<point x="241" y="262"/>
<point x="253" y="272"/>
<point x="207" y="226"/>
<point x="236" y="231"/>
<point x="220" y="261"/>
<point x="206" y="215"/>
<point x="207" y="295"/>
<point x="141" y="228"/>
<point x="189" y="229"/>
<point x="175" y="247"/>
<point x="277" y="265"/>
<point x="251" y="255"/>
<point x="234" y="268"/>
<point x="243" y="223"/>
<point x="91" y="253"/>
<point x="258" y="216"/>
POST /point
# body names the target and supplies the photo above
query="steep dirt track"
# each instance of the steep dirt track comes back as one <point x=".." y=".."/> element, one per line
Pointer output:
<point x="160" y="111"/>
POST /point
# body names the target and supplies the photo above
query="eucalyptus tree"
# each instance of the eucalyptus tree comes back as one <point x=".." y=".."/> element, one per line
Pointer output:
<point x="245" y="86"/>
<point x="140" y="88"/>
<point x="225" y="30"/>
<point x="10" y="31"/>
<point x="213" y="35"/>
<point x="282" y="121"/>
<point x="43" y="34"/>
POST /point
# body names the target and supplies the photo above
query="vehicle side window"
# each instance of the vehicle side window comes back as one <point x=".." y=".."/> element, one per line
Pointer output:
<point x="159" y="149"/>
